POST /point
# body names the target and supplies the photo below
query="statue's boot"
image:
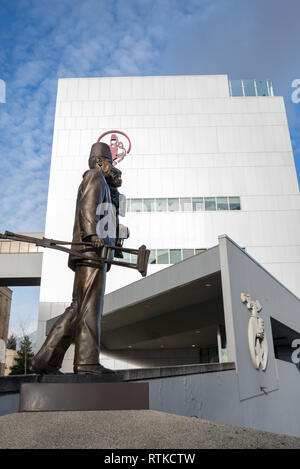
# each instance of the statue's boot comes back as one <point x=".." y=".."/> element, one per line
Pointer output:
<point x="92" y="370"/>
<point x="50" y="357"/>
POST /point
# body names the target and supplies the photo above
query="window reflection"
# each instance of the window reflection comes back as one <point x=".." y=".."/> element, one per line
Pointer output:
<point x="249" y="88"/>
<point x="236" y="88"/>
<point x="234" y="203"/>
<point x="173" y="205"/>
<point x="161" y="205"/>
<point x="186" y="204"/>
<point x="262" y="88"/>
<point x="162" y="256"/>
<point x="183" y="204"/>
<point x="126" y="257"/>
<point x="152" y="257"/>
<point x="136" y="205"/>
<point x="198" y="204"/>
<point x="149" y="205"/>
<point x="175" y="256"/>
<point x="222" y="203"/>
<point x="165" y="256"/>
<point x="210" y="203"/>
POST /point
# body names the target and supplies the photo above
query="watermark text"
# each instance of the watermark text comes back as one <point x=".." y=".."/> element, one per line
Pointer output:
<point x="296" y="353"/>
<point x="296" y="93"/>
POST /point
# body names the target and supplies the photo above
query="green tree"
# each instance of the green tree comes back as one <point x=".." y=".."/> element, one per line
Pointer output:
<point x="23" y="361"/>
<point x="12" y="342"/>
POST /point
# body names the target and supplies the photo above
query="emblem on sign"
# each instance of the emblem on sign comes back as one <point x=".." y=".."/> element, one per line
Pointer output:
<point x="116" y="145"/>
<point x="257" y="341"/>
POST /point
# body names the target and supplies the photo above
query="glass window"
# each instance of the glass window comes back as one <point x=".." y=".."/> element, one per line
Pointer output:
<point x="186" y="204"/>
<point x="173" y="205"/>
<point x="203" y="355"/>
<point x="161" y="205"/>
<point x="210" y="203"/>
<point x="126" y="257"/>
<point x="249" y="88"/>
<point x="222" y="203"/>
<point x="187" y="253"/>
<point x="213" y="355"/>
<point x="262" y="89"/>
<point x="162" y="256"/>
<point x="136" y="205"/>
<point x="133" y="258"/>
<point x="152" y="257"/>
<point x="149" y="205"/>
<point x="198" y="251"/>
<point x="270" y="87"/>
<point x="122" y="205"/>
<point x="175" y="256"/>
<point x="128" y="205"/>
<point x="236" y="88"/>
<point x="198" y="205"/>
<point x="234" y="203"/>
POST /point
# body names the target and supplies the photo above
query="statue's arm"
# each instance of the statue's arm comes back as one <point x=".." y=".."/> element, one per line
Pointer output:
<point x="90" y="197"/>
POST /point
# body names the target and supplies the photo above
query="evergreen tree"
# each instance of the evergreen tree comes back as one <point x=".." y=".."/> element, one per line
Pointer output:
<point x="23" y="361"/>
<point x="12" y="342"/>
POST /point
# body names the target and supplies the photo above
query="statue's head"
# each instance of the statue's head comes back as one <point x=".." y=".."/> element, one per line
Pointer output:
<point x="100" y="158"/>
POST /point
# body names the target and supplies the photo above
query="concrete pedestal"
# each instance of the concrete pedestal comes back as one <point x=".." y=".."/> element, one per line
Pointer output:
<point x="55" y="396"/>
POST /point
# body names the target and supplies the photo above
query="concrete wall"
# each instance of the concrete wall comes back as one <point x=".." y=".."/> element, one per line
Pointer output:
<point x="216" y="397"/>
<point x="9" y="403"/>
<point x="242" y="274"/>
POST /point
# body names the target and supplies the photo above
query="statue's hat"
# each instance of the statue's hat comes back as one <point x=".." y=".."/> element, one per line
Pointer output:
<point x="99" y="149"/>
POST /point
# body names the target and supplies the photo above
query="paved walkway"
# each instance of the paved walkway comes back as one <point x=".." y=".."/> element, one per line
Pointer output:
<point x="129" y="429"/>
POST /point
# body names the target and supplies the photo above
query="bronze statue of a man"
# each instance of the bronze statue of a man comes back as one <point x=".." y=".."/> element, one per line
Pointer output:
<point x="80" y="323"/>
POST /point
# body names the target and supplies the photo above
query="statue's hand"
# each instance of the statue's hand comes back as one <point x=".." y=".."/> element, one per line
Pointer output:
<point x="96" y="242"/>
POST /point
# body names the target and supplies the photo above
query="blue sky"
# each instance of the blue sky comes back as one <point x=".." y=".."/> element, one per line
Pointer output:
<point x="44" y="40"/>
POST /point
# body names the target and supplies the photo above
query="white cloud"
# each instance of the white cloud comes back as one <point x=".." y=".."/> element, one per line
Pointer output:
<point x="69" y="38"/>
<point x="72" y="38"/>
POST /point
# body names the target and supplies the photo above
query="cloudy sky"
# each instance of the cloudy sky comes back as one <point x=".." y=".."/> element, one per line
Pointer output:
<point x="42" y="40"/>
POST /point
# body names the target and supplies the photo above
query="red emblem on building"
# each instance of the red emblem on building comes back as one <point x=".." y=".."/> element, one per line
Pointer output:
<point x="117" y="147"/>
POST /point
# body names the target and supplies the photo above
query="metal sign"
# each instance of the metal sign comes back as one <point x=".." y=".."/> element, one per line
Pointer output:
<point x="257" y="341"/>
<point x="117" y="147"/>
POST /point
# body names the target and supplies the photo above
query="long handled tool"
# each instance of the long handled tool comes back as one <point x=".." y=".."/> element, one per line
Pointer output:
<point x="142" y="253"/>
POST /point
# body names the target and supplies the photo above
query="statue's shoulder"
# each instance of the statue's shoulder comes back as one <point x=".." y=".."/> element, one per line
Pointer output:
<point x="93" y="175"/>
<point x="90" y="173"/>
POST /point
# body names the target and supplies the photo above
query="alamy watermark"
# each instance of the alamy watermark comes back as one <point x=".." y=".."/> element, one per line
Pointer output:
<point x="296" y="353"/>
<point x="106" y="217"/>
<point x="296" y="93"/>
<point x="2" y="91"/>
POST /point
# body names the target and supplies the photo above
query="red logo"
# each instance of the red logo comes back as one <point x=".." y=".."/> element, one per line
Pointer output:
<point x="116" y="146"/>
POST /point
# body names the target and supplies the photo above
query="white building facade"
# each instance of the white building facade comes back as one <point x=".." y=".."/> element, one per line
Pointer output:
<point x="203" y="162"/>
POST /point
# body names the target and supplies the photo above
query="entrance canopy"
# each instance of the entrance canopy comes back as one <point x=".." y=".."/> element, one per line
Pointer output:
<point x="171" y="317"/>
